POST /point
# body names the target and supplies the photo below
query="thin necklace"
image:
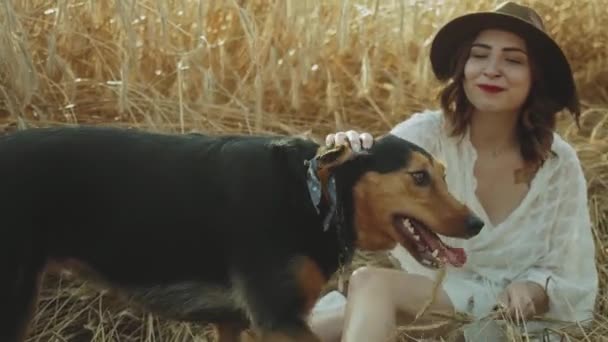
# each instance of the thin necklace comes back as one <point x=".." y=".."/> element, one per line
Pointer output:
<point x="498" y="151"/>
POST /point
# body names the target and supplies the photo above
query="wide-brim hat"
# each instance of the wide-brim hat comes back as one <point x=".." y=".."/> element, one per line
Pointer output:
<point x="521" y="20"/>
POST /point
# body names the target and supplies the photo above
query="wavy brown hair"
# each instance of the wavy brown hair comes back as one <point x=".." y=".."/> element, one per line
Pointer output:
<point x="537" y="118"/>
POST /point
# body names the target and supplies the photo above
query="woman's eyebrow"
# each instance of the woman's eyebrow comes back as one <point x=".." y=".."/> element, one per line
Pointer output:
<point x="486" y="46"/>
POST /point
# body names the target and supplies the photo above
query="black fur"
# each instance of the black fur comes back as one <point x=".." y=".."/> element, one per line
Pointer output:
<point x="194" y="227"/>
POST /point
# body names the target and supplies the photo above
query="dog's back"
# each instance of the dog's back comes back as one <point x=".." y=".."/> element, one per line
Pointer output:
<point x="144" y="208"/>
<point x="110" y="188"/>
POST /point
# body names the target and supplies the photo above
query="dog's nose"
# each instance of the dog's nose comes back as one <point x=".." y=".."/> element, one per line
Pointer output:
<point x="474" y="225"/>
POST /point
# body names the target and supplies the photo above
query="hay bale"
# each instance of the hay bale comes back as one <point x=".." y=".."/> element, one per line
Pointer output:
<point x="291" y="67"/>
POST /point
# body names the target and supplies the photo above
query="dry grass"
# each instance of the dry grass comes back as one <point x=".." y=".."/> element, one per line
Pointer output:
<point x="292" y="67"/>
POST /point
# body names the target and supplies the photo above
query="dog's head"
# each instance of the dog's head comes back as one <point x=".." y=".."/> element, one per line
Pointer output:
<point x="396" y="193"/>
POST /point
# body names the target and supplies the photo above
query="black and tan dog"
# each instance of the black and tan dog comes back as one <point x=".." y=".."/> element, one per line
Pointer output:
<point x="228" y="229"/>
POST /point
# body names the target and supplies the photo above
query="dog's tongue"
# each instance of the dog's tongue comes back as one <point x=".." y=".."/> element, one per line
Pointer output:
<point x="455" y="256"/>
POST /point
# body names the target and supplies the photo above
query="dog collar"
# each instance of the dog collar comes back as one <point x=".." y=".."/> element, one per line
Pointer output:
<point x="323" y="185"/>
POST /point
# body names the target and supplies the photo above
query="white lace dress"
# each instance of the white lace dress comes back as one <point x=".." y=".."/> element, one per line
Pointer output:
<point x="548" y="236"/>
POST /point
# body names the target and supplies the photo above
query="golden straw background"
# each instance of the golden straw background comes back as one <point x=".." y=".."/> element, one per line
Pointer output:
<point x="306" y="68"/>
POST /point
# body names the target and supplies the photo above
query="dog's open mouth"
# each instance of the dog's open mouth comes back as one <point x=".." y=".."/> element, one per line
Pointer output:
<point x="432" y="252"/>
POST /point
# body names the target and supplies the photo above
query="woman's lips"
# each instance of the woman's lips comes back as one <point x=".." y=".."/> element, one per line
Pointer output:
<point x="490" y="88"/>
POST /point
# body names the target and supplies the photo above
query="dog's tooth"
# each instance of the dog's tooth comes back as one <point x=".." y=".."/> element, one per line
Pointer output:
<point x="426" y="262"/>
<point x="411" y="229"/>
<point x="435" y="253"/>
<point x="416" y="237"/>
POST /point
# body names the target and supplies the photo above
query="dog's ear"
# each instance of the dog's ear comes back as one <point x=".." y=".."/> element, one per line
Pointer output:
<point x="330" y="157"/>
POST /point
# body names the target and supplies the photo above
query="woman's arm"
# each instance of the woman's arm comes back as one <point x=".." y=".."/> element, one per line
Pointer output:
<point x="568" y="274"/>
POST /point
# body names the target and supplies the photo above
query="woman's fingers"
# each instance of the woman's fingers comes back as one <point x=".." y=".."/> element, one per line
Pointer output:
<point x="355" y="140"/>
<point x="340" y="138"/>
<point x="366" y="140"/>
<point x="330" y="140"/>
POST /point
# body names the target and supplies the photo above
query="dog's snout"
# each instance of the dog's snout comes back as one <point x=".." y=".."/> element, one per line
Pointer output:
<point x="474" y="225"/>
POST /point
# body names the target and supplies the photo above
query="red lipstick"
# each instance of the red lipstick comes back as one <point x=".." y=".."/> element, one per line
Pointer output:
<point x="490" y="88"/>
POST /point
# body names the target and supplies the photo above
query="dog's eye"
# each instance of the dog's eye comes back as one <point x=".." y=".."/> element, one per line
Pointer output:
<point x="421" y="178"/>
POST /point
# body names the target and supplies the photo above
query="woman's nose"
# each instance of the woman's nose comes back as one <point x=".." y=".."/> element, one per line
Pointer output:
<point x="491" y="69"/>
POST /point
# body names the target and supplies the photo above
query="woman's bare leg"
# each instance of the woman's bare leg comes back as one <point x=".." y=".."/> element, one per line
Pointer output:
<point x="377" y="295"/>
<point x="327" y="325"/>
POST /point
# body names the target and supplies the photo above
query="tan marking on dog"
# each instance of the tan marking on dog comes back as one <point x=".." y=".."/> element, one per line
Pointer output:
<point x="310" y="280"/>
<point x="302" y="336"/>
<point x="229" y="332"/>
<point x="378" y="197"/>
<point x="75" y="267"/>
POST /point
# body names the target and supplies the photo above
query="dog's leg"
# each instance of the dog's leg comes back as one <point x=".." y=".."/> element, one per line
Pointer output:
<point x="248" y="336"/>
<point x="18" y="298"/>
<point x="304" y="334"/>
<point x="279" y="299"/>
<point x="230" y="332"/>
<point x="291" y="334"/>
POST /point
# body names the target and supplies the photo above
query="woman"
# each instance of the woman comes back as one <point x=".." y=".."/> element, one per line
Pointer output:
<point x="495" y="132"/>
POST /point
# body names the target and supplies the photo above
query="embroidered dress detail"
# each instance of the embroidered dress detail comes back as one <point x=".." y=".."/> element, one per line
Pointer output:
<point x="547" y="238"/>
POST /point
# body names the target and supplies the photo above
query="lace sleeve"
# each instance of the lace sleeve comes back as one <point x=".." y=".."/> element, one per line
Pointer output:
<point x="568" y="271"/>
<point x="422" y="129"/>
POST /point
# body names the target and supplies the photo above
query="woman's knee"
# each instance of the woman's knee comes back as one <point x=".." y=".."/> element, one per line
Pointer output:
<point x="366" y="279"/>
<point x="409" y="291"/>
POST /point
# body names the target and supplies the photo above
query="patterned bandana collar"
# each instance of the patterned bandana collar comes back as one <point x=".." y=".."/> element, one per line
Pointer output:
<point x="315" y="189"/>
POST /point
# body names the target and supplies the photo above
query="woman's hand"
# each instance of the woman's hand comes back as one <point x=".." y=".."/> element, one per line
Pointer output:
<point x="522" y="300"/>
<point x="357" y="141"/>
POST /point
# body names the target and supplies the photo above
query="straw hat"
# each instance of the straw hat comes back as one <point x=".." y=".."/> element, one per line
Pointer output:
<point x="521" y="20"/>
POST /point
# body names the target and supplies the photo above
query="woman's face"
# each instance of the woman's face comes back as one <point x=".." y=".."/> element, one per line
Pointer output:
<point x="497" y="74"/>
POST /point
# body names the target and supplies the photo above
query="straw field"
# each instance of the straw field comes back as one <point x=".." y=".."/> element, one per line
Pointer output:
<point x="305" y="68"/>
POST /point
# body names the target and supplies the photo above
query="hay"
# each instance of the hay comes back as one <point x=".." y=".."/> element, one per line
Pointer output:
<point x="288" y="67"/>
